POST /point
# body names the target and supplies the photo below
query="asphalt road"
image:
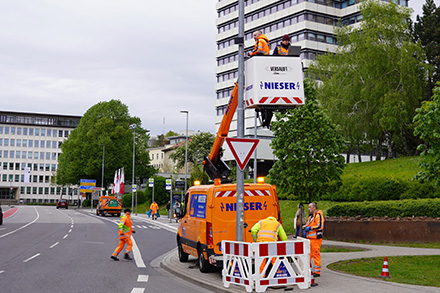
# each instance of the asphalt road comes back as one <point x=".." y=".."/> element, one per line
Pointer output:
<point x="48" y="250"/>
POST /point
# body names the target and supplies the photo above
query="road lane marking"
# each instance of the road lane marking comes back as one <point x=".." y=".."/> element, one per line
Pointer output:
<point x="155" y="227"/>
<point x="32" y="257"/>
<point x="137" y="255"/>
<point x="143" y="226"/>
<point x="2" y="272"/>
<point x="71" y="226"/>
<point x="138" y="290"/>
<point x="53" y="245"/>
<point x="143" y="278"/>
<point x="70" y="230"/>
<point x="65" y="236"/>
<point x="2" y="229"/>
<point x="22" y="227"/>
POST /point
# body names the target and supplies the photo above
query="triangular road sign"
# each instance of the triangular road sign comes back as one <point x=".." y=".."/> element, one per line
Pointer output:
<point x="242" y="149"/>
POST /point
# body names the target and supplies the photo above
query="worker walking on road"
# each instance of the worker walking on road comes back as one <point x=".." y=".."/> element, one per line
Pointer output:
<point x="314" y="232"/>
<point x="261" y="45"/>
<point x="154" y="210"/>
<point x="125" y="230"/>
<point x="268" y="230"/>
<point x="283" y="47"/>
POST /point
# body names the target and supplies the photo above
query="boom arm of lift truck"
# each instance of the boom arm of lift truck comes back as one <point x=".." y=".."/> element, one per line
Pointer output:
<point x="213" y="164"/>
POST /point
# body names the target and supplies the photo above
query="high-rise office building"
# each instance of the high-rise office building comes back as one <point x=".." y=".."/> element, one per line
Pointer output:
<point x="310" y="24"/>
<point x="32" y="142"/>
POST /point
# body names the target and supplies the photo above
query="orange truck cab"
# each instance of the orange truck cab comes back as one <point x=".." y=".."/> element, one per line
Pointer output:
<point x="109" y="205"/>
<point x="209" y="216"/>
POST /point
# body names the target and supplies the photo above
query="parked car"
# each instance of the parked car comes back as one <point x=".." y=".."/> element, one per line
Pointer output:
<point x="62" y="203"/>
<point x="1" y="216"/>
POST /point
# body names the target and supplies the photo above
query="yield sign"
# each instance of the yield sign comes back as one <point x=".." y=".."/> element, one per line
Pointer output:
<point x="242" y="149"/>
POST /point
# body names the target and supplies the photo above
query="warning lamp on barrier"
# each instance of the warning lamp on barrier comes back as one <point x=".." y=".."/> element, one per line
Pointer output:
<point x="197" y="182"/>
<point x="260" y="180"/>
<point x="217" y="181"/>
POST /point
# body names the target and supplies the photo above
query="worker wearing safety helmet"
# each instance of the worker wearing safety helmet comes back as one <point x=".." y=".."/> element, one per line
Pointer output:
<point x="314" y="231"/>
<point x="125" y="230"/>
<point x="268" y="230"/>
<point x="261" y="45"/>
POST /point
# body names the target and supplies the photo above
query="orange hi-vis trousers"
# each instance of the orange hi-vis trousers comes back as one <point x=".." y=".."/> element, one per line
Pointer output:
<point x="315" y="253"/>
<point x="122" y="242"/>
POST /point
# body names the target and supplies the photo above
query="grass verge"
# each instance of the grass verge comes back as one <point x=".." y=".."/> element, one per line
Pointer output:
<point x="416" y="270"/>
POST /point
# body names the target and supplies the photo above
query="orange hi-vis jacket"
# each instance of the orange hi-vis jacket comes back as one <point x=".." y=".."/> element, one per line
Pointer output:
<point x="125" y="227"/>
<point x="267" y="230"/>
<point x="316" y="223"/>
<point x="154" y="207"/>
<point x="261" y="46"/>
<point x="282" y="50"/>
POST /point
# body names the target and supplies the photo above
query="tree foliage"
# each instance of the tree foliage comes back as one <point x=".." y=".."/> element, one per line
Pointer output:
<point x="199" y="146"/>
<point x="428" y="128"/>
<point x="427" y="31"/>
<point x="308" y="147"/>
<point x="376" y="79"/>
<point x="104" y="124"/>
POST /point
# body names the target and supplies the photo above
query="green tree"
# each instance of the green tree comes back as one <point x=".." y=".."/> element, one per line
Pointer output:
<point x="104" y="124"/>
<point x="376" y="79"/>
<point x="199" y="147"/>
<point x="161" y="195"/>
<point x="427" y="31"/>
<point x="308" y="147"/>
<point x="198" y="174"/>
<point x="428" y="128"/>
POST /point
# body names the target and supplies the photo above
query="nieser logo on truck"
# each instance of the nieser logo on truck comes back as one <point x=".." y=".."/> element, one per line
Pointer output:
<point x="251" y="206"/>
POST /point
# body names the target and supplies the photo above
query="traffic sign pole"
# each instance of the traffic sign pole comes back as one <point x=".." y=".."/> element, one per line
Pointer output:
<point x="169" y="186"/>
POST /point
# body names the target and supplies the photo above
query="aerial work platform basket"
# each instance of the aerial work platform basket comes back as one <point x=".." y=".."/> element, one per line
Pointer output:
<point x="274" y="82"/>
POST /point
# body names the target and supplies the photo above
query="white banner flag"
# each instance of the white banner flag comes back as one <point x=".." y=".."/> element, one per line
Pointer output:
<point x="27" y="174"/>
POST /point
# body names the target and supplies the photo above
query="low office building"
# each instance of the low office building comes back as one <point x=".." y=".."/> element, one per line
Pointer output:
<point x="32" y="141"/>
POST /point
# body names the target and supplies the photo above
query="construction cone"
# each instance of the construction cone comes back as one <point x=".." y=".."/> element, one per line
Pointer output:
<point x="385" y="273"/>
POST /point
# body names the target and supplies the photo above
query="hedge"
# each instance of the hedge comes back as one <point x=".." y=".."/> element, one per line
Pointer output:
<point x="382" y="188"/>
<point x="399" y="208"/>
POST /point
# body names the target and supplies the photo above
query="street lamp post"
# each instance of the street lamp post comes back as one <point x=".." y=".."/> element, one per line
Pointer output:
<point x="133" y="126"/>
<point x="186" y="148"/>
<point x="102" y="176"/>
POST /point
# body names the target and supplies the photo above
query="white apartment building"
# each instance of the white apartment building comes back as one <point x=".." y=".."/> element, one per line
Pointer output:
<point x="309" y="23"/>
<point x="33" y="140"/>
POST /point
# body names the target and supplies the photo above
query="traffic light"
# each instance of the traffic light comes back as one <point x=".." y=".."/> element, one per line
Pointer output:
<point x="11" y="192"/>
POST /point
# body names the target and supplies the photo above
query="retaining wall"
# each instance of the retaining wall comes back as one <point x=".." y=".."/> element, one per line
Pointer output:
<point x="382" y="230"/>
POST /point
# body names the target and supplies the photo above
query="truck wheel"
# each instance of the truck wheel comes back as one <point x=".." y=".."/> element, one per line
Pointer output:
<point x="204" y="265"/>
<point x="183" y="256"/>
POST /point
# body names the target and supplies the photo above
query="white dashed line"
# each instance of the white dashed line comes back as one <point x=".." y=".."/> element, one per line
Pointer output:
<point x="138" y="290"/>
<point x="65" y="236"/>
<point x="70" y="230"/>
<point x="143" y="278"/>
<point x="71" y="226"/>
<point x="137" y="255"/>
<point x="32" y="257"/>
<point x="53" y="245"/>
<point x="2" y="272"/>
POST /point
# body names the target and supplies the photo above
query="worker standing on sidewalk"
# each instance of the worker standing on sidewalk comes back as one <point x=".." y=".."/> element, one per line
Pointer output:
<point x="314" y="232"/>
<point x="261" y="47"/>
<point x="154" y="210"/>
<point x="268" y="230"/>
<point x="125" y="230"/>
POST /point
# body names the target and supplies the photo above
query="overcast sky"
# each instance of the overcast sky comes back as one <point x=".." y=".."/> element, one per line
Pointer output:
<point x="157" y="57"/>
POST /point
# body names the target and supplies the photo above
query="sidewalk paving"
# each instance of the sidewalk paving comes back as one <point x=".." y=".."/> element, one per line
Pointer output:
<point x="330" y="281"/>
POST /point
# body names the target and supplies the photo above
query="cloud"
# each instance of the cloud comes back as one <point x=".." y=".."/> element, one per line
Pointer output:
<point x="158" y="57"/>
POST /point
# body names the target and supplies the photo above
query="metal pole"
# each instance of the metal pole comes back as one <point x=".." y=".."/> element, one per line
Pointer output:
<point x="255" y="152"/>
<point x="170" y="213"/>
<point x="240" y="120"/>
<point x="186" y="148"/>
<point x="132" y="177"/>
<point x="102" y="176"/>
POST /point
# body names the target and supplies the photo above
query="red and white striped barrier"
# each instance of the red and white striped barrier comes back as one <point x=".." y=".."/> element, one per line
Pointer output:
<point x="237" y="264"/>
<point x="272" y="101"/>
<point x="282" y="263"/>
<point x="286" y="263"/>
